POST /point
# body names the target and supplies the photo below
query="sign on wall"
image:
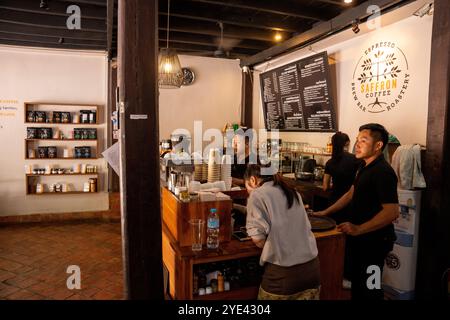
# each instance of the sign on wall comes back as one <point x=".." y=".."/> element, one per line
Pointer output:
<point x="297" y="97"/>
<point x="381" y="78"/>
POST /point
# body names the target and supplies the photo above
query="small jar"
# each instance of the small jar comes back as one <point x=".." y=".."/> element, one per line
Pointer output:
<point x="93" y="185"/>
<point x="184" y="194"/>
<point x="201" y="291"/>
<point x="208" y="290"/>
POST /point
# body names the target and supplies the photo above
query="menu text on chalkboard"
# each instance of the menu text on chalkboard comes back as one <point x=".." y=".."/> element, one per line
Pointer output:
<point x="297" y="97"/>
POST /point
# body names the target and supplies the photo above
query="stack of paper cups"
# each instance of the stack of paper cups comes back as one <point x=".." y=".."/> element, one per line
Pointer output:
<point x="198" y="166"/>
<point x="226" y="171"/>
<point x="204" y="171"/>
<point x="214" y="165"/>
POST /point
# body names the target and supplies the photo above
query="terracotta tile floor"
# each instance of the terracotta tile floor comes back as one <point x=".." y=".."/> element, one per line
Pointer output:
<point x="34" y="260"/>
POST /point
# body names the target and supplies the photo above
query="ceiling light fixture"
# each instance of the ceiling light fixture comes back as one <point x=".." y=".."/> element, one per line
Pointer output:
<point x="278" y="37"/>
<point x="355" y="26"/>
<point x="348" y="1"/>
<point x="44" y="5"/>
<point x="170" y="74"/>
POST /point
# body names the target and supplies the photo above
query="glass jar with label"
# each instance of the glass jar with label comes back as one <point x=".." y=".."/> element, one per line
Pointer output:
<point x="184" y="194"/>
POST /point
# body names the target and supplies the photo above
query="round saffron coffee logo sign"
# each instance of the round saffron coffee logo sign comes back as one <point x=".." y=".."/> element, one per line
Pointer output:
<point x="380" y="78"/>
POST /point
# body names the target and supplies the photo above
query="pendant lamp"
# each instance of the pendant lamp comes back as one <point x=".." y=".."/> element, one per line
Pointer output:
<point x="170" y="75"/>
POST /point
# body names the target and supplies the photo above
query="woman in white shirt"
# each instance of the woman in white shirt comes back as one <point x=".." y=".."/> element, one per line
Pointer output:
<point x="278" y="223"/>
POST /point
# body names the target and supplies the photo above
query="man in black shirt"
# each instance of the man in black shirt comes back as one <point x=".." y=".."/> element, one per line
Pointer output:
<point x="241" y="159"/>
<point x="373" y="201"/>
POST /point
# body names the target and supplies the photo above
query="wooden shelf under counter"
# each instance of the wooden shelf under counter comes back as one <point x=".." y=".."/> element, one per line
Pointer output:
<point x="180" y="262"/>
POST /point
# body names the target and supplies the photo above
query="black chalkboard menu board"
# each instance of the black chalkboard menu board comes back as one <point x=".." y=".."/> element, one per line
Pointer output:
<point x="297" y="97"/>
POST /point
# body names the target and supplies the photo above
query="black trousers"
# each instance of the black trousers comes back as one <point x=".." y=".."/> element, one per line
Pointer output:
<point x="361" y="255"/>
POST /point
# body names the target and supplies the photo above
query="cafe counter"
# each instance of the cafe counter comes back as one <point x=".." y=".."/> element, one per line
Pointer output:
<point x="183" y="264"/>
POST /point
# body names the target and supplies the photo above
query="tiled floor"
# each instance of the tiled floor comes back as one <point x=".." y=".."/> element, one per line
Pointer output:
<point x="34" y="260"/>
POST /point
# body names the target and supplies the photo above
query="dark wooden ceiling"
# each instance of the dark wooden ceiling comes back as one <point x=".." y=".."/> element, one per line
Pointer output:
<point x="249" y="26"/>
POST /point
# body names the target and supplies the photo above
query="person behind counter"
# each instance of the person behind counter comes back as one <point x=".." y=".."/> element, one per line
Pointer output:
<point x="241" y="146"/>
<point x="341" y="169"/>
<point x="278" y="223"/>
<point x="374" y="206"/>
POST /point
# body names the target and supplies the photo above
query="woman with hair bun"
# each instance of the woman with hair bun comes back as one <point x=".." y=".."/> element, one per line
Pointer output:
<point x="277" y="222"/>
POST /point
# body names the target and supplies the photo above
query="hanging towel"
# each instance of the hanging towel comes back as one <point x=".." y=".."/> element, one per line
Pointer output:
<point x="406" y="163"/>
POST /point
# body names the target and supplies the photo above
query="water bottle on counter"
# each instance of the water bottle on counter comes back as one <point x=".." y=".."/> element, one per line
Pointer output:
<point x="212" y="241"/>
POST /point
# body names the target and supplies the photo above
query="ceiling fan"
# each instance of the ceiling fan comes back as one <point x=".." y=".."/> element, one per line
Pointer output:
<point x="224" y="45"/>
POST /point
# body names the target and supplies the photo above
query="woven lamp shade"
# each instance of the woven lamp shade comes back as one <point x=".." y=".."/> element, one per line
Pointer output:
<point x="169" y="69"/>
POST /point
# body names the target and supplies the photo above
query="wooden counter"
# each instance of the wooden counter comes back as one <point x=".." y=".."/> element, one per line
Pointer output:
<point x="180" y="263"/>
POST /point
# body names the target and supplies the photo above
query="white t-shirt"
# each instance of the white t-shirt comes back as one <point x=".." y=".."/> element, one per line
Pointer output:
<point x="289" y="239"/>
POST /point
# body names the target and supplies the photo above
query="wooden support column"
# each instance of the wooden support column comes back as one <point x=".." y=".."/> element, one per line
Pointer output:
<point x="434" y="237"/>
<point x="139" y="145"/>
<point x="247" y="99"/>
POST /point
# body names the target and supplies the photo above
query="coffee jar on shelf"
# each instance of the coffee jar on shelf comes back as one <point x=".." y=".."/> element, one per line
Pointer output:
<point x="31" y="116"/>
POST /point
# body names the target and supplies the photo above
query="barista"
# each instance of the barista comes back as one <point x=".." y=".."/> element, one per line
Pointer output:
<point x="241" y="146"/>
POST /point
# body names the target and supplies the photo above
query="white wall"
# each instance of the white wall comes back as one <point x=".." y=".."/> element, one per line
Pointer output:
<point x="29" y="75"/>
<point x="408" y="120"/>
<point x="214" y="97"/>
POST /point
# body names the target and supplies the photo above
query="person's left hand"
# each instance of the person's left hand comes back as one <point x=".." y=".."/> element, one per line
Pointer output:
<point x="349" y="228"/>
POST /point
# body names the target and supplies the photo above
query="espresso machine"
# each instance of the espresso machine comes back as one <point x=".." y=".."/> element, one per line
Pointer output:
<point x="176" y="173"/>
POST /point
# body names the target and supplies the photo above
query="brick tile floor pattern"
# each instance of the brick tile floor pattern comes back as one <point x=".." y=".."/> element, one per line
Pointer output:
<point x="34" y="260"/>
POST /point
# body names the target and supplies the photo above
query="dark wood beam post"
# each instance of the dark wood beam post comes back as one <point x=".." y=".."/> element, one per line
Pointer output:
<point x="434" y="237"/>
<point x="109" y="26"/>
<point x="247" y="98"/>
<point x="139" y="145"/>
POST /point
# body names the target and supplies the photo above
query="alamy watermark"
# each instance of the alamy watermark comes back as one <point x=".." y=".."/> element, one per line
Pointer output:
<point x="74" y="280"/>
<point x="250" y="147"/>
<point x="73" y="22"/>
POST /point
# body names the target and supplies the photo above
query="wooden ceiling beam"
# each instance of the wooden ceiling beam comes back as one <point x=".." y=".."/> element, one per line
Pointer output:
<point x="52" y="40"/>
<point x="211" y="28"/>
<point x="100" y="3"/>
<point x="210" y="54"/>
<point x="41" y="20"/>
<point x="210" y="40"/>
<point x="56" y="8"/>
<point x="339" y="3"/>
<point x="232" y="16"/>
<point x="49" y="45"/>
<point x="198" y="47"/>
<point x="322" y="30"/>
<point x="43" y="31"/>
<point x="109" y="26"/>
<point x="291" y="9"/>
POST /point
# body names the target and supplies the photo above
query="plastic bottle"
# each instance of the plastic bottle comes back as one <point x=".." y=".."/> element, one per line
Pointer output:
<point x="329" y="146"/>
<point x="220" y="283"/>
<point x="212" y="241"/>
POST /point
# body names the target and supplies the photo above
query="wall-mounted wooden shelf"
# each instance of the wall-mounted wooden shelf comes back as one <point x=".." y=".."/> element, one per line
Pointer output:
<point x="60" y="193"/>
<point x="65" y="124"/>
<point x="62" y="174"/>
<point x="82" y="140"/>
<point x="71" y="158"/>
<point x="49" y="108"/>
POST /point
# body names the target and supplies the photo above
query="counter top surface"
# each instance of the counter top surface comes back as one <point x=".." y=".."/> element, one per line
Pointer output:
<point x="233" y="248"/>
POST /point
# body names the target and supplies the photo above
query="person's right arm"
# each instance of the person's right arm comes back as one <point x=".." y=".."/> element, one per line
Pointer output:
<point x="338" y="205"/>
<point x="326" y="182"/>
<point x="258" y="225"/>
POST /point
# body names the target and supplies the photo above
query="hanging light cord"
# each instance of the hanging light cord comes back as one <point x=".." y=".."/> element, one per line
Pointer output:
<point x="168" y="14"/>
